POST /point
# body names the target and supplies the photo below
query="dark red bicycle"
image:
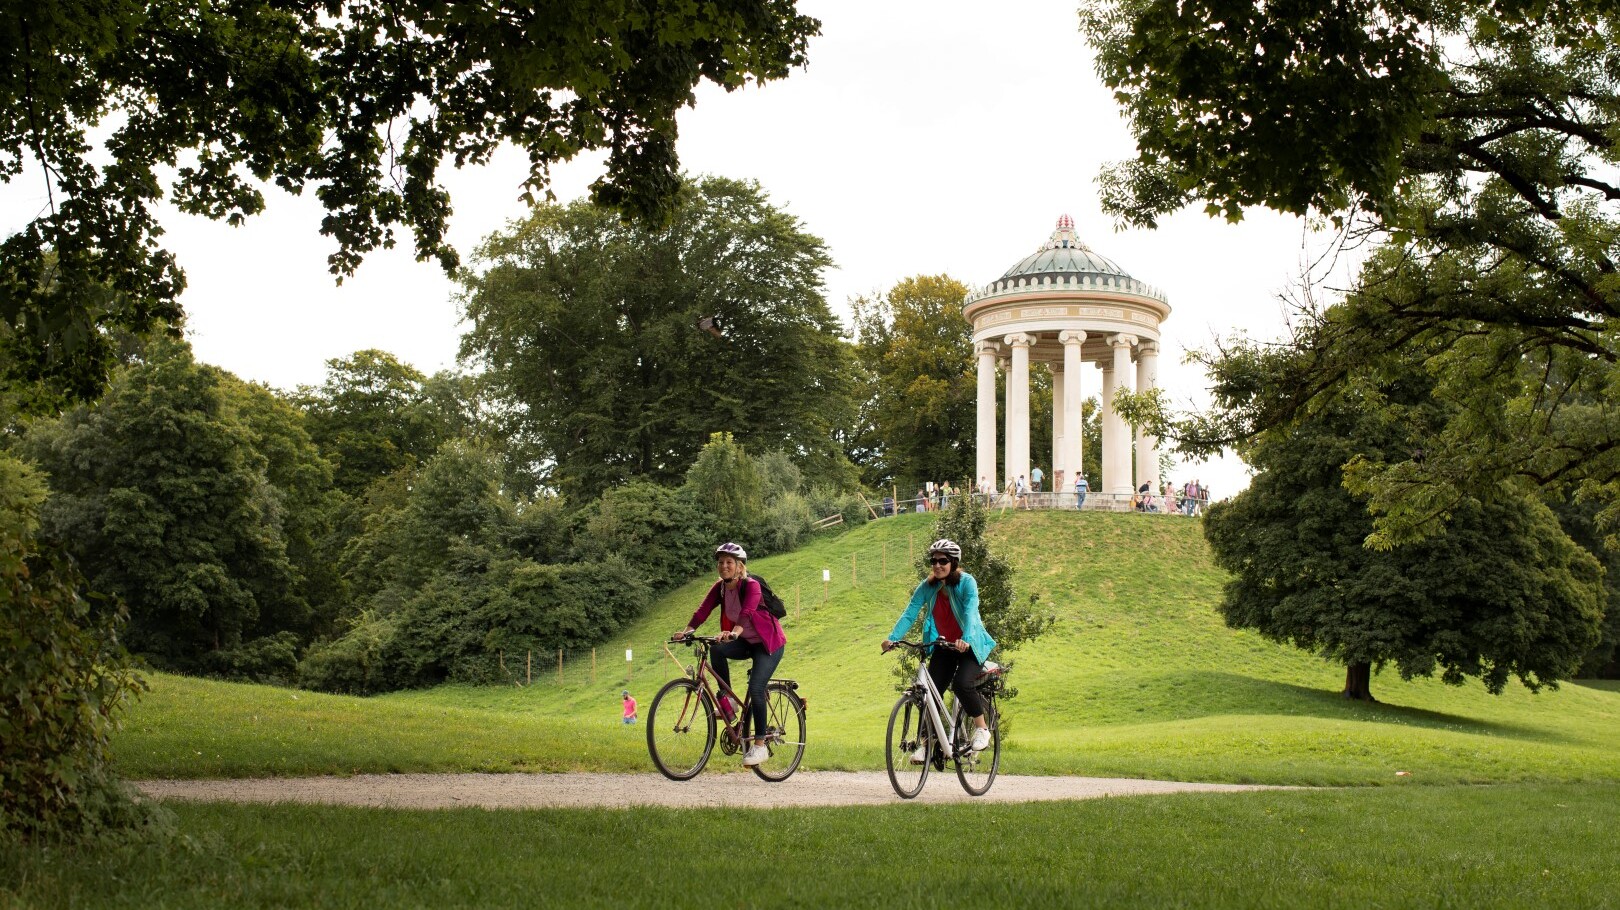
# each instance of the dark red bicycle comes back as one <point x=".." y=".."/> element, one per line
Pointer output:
<point x="686" y="720"/>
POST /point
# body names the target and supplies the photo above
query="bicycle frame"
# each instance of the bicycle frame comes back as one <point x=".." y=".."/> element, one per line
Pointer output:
<point x="711" y="683"/>
<point x="938" y="717"/>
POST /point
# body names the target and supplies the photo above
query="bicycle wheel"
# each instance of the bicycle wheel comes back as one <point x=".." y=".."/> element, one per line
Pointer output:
<point x="784" y="739"/>
<point x="908" y="730"/>
<point x="977" y="770"/>
<point x="680" y="729"/>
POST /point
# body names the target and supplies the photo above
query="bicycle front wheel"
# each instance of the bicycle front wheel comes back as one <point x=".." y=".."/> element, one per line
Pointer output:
<point x="977" y="770"/>
<point x="681" y="729"/>
<point x="784" y="737"/>
<point x="908" y="733"/>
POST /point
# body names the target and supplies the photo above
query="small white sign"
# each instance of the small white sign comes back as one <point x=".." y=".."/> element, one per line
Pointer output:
<point x="626" y="655"/>
<point x="826" y="575"/>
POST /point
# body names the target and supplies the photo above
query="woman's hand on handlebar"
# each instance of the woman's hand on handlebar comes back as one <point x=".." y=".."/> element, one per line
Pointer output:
<point x="960" y="645"/>
<point x="887" y="646"/>
<point x="684" y="633"/>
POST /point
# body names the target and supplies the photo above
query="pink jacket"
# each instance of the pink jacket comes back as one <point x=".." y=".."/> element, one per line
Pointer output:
<point x="770" y="631"/>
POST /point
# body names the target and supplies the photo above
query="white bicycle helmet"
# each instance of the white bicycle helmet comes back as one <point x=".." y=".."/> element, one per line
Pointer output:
<point x="730" y="549"/>
<point x="948" y="547"/>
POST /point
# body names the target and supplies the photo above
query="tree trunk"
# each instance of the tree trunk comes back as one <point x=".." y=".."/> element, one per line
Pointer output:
<point x="1358" y="682"/>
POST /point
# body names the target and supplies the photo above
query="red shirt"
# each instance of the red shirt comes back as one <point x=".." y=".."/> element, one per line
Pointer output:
<point x="944" y="620"/>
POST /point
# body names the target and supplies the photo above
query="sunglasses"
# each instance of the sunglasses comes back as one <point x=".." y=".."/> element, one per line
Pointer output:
<point x="939" y="561"/>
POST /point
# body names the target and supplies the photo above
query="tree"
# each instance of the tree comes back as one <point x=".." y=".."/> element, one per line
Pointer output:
<point x="726" y="486"/>
<point x="1500" y="592"/>
<point x="1477" y="140"/>
<point x="375" y="413"/>
<point x="588" y="330"/>
<point x="167" y="504"/>
<point x="921" y="382"/>
<point x="362" y="101"/>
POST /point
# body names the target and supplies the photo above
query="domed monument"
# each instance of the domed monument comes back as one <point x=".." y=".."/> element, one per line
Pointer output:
<point x="1065" y="306"/>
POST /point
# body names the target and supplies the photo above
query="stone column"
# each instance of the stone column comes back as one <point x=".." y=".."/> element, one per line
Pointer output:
<point x="1147" y="445"/>
<point x="986" y="461"/>
<point x="1058" y="427"/>
<point x="1073" y="459"/>
<point x="1105" y="417"/>
<point x="1018" y="406"/>
<point x="1121" y="452"/>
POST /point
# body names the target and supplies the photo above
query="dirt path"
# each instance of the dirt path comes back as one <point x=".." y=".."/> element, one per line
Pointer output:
<point x="527" y="791"/>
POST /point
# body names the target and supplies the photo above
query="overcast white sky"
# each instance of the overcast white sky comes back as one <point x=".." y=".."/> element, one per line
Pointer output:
<point x="922" y="139"/>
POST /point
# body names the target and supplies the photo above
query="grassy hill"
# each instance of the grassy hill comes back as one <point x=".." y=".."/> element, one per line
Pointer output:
<point x="1139" y="678"/>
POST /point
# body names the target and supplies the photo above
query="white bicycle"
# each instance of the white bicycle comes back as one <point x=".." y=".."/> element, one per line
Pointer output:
<point x="920" y="720"/>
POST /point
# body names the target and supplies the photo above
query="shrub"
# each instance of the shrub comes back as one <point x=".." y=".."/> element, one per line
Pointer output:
<point x="62" y="682"/>
<point x="272" y="659"/>
<point x="655" y="528"/>
<point x="360" y="662"/>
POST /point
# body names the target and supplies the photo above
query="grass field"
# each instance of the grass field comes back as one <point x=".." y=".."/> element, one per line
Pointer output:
<point x="1512" y="846"/>
<point x="1139" y="678"/>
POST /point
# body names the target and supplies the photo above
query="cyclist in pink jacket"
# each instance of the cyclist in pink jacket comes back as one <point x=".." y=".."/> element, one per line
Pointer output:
<point x="748" y="631"/>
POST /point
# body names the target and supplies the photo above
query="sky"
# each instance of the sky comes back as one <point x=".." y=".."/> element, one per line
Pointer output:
<point x="921" y="139"/>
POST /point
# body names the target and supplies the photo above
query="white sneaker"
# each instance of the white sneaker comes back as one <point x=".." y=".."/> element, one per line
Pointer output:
<point x="756" y="755"/>
<point x="981" y="740"/>
<point x="921" y="755"/>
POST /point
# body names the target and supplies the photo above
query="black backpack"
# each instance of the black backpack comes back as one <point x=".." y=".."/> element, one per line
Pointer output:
<point x="769" y="599"/>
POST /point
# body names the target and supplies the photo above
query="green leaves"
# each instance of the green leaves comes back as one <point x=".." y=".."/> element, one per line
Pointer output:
<point x="588" y="328"/>
<point x="362" y="101"/>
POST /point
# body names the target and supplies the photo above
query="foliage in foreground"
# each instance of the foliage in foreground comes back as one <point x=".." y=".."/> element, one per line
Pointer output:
<point x="1476" y="141"/>
<point x="363" y="103"/>
<point x="64" y="678"/>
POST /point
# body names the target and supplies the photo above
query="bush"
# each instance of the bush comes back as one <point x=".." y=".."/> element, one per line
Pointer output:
<point x="62" y="682"/>
<point x="655" y="528"/>
<point x="483" y="605"/>
<point x="786" y="521"/>
<point x="358" y="663"/>
<point x="272" y="659"/>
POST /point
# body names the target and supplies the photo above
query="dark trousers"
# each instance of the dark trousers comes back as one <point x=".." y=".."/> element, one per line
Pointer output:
<point x="959" y="669"/>
<point x="765" y="664"/>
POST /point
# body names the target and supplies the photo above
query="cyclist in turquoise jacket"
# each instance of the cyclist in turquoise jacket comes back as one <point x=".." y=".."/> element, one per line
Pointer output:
<point x="962" y="644"/>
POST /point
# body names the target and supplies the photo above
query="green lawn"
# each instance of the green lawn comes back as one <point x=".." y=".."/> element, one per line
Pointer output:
<point x="1140" y="678"/>
<point x="1512" y="846"/>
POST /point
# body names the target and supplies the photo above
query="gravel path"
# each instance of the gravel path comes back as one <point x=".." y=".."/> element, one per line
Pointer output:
<point x="528" y="791"/>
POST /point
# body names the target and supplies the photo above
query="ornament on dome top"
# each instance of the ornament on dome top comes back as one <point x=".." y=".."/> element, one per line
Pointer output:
<point x="1064" y="237"/>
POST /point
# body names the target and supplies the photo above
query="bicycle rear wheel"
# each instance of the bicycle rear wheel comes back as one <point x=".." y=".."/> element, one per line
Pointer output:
<point x="784" y="738"/>
<point x="977" y="770"/>
<point x="908" y="731"/>
<point x="680" y="729"/>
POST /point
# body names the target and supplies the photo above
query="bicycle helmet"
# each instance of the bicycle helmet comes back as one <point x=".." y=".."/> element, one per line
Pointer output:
<point x="730" y="549"/>
<point x="948" y="547"/>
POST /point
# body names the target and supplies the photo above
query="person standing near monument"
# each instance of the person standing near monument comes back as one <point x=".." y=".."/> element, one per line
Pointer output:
<point x="1081" y="488"/>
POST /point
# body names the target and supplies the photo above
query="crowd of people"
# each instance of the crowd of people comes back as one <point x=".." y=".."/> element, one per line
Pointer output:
<point x="1189" y="498"/>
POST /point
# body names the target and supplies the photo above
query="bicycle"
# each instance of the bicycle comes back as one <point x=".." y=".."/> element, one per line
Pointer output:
<point x="919" y="720"/>
<point x="685" y="721"/>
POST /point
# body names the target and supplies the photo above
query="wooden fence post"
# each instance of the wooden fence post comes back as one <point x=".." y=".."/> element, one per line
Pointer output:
<point x="528" y="669"/>
<point x="559" y="666"/>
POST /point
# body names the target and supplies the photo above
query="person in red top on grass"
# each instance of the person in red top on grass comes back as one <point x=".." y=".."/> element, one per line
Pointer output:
<point x="748" y="631"/>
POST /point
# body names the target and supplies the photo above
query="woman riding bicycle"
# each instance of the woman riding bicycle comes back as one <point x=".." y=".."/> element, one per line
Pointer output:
<point x="748" y="631"/>
<point x="953" y="623"/>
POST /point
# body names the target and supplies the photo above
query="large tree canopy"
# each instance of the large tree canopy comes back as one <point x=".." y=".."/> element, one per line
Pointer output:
<point x="109" y="103"/>
<point x="916" y="350"/>
<point x="1478" y="140"/>
<point x="590" y="328"/>
<point x="1500" y="592"/>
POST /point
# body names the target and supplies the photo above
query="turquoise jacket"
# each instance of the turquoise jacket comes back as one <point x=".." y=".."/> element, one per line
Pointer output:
<point x="964" y="598"/>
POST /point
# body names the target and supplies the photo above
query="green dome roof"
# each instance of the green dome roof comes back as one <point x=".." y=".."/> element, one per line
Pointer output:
<point x="1064" y="254"/>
